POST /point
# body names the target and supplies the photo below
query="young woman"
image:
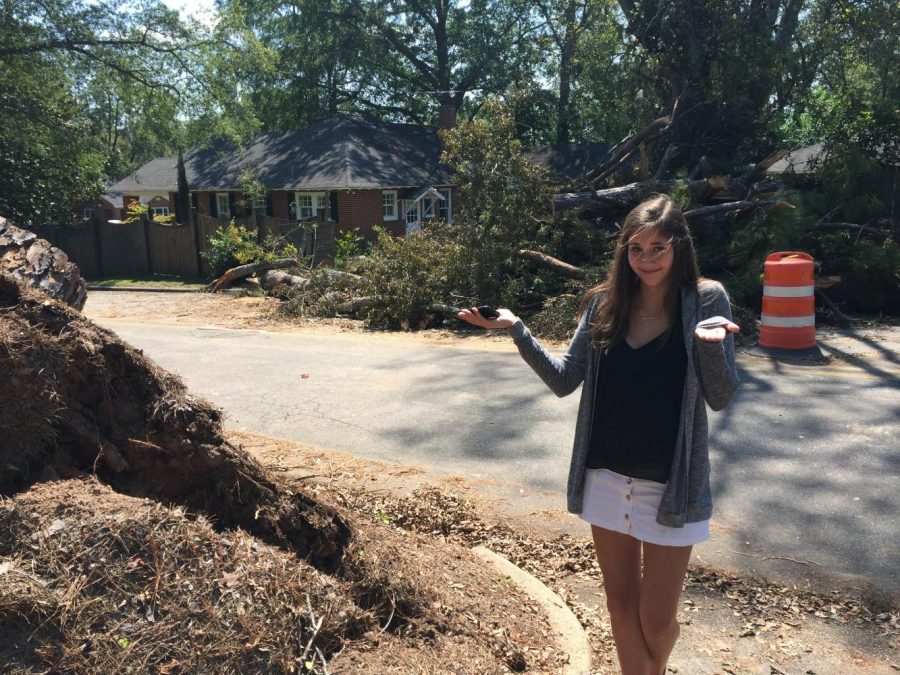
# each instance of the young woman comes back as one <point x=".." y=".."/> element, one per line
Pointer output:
<point x="653" y="342"/>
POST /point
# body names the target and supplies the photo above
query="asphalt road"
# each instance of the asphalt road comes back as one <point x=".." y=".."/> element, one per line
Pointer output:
<point x="806" y="468"/>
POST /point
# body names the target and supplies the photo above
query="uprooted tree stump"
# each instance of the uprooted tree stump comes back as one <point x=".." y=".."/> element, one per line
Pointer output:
<point x="76" y="399"/>
<point x="33" y="260"/>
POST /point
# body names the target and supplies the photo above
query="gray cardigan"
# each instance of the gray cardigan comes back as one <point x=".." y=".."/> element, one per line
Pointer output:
<point x="711" y="375"/>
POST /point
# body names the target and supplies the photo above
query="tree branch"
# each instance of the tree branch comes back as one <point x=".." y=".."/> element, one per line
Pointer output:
<point x="619" y="154"/>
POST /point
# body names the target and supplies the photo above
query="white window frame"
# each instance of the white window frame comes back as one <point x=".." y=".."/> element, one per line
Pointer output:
<point x="159" y="211"/>
<point x="259" y="205"/>
<point x="87" y="214"/>
<point x="389" y="209"/>
<point x="311" y="210"/>
<point x="224" y="212"/>
<point x="411" y="208"/>
<point x="444" y="210"/>
<point x="429" y="209"/>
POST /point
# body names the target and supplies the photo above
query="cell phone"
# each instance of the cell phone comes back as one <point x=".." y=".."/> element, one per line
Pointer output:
<point x="487" y="311"/>
<point x="714" y="322"/>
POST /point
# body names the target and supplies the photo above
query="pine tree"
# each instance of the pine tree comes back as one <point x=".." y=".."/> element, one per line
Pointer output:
<point x="183" y="198"/>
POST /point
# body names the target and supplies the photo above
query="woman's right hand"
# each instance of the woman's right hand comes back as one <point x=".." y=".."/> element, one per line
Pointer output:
<point x="504" y="320"/>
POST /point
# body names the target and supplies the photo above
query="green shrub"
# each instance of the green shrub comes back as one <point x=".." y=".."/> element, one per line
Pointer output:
<point x="135" y="212"/>
<point x="349" y="245"/>
<point x="558" y="318"/>
<point x="406" y="275"/>
<point x="874" y="276"/>
<point x="232" y="245"/>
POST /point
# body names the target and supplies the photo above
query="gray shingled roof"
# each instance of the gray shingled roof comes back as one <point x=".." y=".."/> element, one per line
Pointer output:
<point x="343" y="152"/>
<point x="802" y="160"/>
<point x="811" y="158"/>
<point x="568" y="161"/>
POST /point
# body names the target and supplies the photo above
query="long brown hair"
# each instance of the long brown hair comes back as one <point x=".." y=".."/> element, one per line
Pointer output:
<point x="659" y="214"/>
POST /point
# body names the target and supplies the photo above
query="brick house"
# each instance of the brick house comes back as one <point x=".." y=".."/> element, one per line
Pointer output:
<point x="355" y="171"/>
<point x="106" y="207"/>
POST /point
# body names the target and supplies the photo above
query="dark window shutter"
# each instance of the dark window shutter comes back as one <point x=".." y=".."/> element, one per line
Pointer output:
<point x="332" y="198"/>
<point x="292" y="212"/>
<point x="231" y="204"/>
<point x="213" y="205"/>
<point x="269" y="206"/>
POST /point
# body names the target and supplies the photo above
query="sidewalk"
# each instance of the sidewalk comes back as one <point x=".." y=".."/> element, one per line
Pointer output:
<point x="730" y="623"/>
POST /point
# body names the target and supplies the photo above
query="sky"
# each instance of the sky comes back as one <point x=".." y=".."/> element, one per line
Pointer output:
<point x="195" y="8"/>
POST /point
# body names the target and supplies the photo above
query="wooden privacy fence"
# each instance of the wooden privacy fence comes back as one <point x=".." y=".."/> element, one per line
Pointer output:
<point x="103" y="249"/>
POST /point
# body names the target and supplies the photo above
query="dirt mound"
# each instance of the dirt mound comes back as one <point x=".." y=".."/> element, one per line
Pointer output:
<point x="96" y="582"/>
<point x="41" y="265"/>
<point x="92" y="581"/>
<point x="77" y="399"/>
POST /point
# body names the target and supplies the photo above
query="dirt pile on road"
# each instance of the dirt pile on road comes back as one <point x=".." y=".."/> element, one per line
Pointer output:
<point x="211" y="563"/>
<point x="77" y="399"/>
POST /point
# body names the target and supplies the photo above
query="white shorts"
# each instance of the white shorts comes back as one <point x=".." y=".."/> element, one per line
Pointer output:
<point x="629" y="505"/>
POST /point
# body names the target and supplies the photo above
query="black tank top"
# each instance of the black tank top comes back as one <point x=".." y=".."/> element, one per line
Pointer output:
<point x="637" y="406"/>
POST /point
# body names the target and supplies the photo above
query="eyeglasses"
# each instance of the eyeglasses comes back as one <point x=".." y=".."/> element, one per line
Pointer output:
<point x="655" y="251"/>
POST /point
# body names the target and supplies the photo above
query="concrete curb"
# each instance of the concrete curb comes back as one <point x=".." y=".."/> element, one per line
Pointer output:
<point x="568" y="632"/>
<point x="144" y="289"/>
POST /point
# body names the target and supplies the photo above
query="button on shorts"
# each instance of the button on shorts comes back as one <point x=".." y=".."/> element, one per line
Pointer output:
<point x="629" y="505"/>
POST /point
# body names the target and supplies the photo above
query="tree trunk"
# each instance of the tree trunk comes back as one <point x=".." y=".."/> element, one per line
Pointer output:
<point x="242" y="271"/>
<point x="272" y="278"/>
<point x="40" y="265"/>
<point x="545" y="261"/>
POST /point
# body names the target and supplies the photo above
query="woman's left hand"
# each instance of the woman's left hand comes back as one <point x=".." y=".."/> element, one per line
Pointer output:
<point x="716" y="333"/>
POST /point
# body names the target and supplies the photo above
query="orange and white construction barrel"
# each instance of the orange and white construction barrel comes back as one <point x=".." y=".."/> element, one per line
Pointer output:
<point x="788" y="306"/>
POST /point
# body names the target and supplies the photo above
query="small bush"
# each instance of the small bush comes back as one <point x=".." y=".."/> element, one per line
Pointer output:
<point x="558" y="318"/>
<point x="234" y="245"/>
<point x="349" y="245"/>
<point x="874" y="276"/>
<point x="406" y="275"/>
<point x="135" y="212"/>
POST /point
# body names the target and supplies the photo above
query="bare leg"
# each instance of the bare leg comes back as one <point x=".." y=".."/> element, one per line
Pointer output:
<point x="619" y="556"/>
<point x="664" y="570"/>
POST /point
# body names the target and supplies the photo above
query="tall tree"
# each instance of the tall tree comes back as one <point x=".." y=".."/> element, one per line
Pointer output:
<point x="118" y="75"/>
<point x="845" y="85"/>
<point x="566" y="22"/>
<point x="183" y="198"/>
<point x="321" y="60"/>
<point x="721" y="62"/>
<point x="48" y="162"/>
<point x="445" y="49"/>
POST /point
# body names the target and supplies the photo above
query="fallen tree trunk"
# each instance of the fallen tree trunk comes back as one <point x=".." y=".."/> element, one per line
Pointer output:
<point x="727" y="207"/>
<point x="545" y="261"/>
<point x="619" y="154"/>
<point x="272" y="278"/>
<point x="242" y="271"/>
<point x="353" y="305"/>
<point x="622" y="198"/>
<point x="34" y="261"/>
